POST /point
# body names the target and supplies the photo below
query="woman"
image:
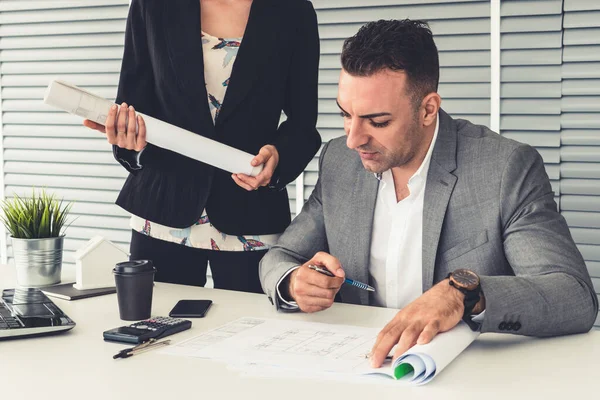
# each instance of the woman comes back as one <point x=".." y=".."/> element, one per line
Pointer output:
<point x="224" y="70"/>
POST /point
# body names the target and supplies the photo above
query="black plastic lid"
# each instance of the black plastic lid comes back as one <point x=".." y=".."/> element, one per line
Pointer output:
<point x="134" y="267"/>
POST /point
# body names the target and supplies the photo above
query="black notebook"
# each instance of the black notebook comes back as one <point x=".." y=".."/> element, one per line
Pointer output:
<point x="66" y="291"/>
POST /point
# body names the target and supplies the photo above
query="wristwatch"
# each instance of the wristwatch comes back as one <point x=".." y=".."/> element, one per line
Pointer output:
<point x="468" y="283"/>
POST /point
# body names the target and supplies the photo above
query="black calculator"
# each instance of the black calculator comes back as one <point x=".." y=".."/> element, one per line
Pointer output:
<point x="152" y="328"/>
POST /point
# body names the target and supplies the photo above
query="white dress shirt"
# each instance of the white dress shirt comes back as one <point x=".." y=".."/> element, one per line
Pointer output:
<point x="395" y="269"/>
<point x="395" y="264"/>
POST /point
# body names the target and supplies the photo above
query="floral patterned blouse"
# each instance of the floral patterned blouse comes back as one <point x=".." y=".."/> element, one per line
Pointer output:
<point x="219" y="56"/>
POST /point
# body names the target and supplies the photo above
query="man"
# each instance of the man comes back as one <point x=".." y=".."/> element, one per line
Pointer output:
<point x="446" y="219"/>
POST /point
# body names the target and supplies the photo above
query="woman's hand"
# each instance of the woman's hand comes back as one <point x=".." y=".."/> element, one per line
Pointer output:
<point x="120" y="128"/>
<point x="269" y="156"/>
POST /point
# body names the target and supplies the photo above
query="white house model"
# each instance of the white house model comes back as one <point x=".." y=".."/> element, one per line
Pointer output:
<point x="95" y="262"/>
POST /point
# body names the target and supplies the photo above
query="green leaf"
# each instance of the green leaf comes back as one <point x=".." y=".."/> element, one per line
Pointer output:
<point x="39" y="216"/>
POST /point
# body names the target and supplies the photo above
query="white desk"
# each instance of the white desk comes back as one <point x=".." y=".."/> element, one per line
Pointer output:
<point x="79" y="364"/>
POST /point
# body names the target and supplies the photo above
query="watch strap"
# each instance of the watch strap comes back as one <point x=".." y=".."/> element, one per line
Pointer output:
<point x="471" y="299"/>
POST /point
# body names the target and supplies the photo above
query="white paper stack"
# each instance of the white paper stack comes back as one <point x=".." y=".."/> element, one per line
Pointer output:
<point x="85" y="104"/>
<point x="268" y="347"/>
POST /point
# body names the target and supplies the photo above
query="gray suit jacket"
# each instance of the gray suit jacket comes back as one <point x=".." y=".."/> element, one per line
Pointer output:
<point x="488" y="207"/>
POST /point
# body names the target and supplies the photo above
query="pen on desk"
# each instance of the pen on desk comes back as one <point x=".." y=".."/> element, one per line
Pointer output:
<point x="357" y="284"/>
<point x="140" y="348"/>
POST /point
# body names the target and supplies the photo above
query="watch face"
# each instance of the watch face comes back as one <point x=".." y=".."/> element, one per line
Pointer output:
<point x="465" y="278"/>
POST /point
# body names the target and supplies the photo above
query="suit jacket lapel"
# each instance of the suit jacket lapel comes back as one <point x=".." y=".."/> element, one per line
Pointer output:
<point x="440" y="183"/>
<point x="181" y="21"/>
<point x="360" y="223"/>
<point x="253" y="55"/>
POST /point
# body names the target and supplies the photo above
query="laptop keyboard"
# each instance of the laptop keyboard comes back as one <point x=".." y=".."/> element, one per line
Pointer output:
<point x="7" y="320"/>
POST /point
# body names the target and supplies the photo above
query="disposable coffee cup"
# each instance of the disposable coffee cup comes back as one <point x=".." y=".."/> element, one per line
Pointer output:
<point x="134" y="280"/>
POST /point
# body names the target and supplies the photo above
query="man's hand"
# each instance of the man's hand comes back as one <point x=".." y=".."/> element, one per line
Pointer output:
<point x="438" y="310"/>
<point x="269" y="156"/>
<point x="312" y="290"/>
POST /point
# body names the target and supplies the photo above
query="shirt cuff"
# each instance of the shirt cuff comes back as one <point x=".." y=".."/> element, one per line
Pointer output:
<point x="129" y="158"/>
<point x="479" y="319"/>
<point x="288" y="305"/>
<point x="137" y="157"/>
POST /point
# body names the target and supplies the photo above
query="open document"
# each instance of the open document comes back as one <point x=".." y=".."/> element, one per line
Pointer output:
<point x="85" y="104"/>
<point x="309" y="348"/>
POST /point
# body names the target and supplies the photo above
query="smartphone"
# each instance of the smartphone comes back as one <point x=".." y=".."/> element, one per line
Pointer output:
<point x="190" y="308"/>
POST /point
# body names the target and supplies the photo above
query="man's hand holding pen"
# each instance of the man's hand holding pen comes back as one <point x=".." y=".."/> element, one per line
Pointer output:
<point x="314" y="291"/>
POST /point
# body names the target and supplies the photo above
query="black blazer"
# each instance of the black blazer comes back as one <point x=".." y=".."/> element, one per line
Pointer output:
<point x="162" y="75"/>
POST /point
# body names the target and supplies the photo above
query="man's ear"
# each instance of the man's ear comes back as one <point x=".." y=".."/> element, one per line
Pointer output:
<point x="430" y="107"/>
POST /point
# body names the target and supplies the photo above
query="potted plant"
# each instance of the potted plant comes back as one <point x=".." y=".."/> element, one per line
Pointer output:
<point x="35" y="225"/>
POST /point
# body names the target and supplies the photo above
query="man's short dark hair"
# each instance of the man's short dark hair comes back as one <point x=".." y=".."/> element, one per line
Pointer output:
<point x="399" y="45"/>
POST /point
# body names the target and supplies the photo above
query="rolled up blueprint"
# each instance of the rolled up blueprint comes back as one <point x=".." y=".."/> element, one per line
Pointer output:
<point x="85" y="104"/>
<point x="422" y="363"/>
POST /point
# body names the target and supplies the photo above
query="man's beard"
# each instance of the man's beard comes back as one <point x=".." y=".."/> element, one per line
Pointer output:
<point x="376" y="169"/>
<point x="386" y="164"/>
<point x="390" y="160"/>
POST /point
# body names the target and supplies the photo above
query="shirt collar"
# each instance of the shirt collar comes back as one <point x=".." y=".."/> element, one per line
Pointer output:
<point x="424" y="167"/>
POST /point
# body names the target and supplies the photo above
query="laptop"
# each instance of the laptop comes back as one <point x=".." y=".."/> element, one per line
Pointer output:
<point x="27" y="312"/>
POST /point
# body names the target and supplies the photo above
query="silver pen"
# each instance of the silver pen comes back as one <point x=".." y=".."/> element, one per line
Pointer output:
<point x="140" y="348"/>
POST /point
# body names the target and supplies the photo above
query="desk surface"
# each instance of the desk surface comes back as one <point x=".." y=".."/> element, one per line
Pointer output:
<point x="79" y="364"/>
